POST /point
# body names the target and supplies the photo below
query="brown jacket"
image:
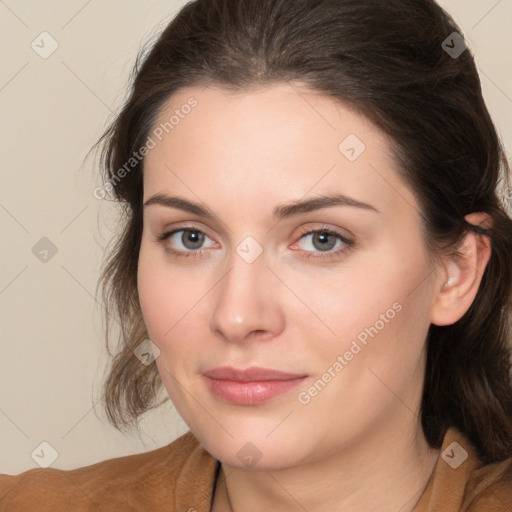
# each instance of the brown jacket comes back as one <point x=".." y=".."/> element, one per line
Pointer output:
<point x="180" y="477"/>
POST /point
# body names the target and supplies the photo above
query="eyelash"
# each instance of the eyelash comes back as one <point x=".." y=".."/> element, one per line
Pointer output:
<point x="327" y="256"/>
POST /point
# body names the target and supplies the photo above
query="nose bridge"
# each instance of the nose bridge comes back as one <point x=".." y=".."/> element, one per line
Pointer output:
<point x="243" y="303"/>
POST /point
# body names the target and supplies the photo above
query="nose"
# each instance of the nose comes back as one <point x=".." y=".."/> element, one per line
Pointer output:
<point x="246" y="303"/>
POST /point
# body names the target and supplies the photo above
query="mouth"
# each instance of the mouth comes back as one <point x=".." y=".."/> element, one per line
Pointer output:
<point x="251" y="386"/>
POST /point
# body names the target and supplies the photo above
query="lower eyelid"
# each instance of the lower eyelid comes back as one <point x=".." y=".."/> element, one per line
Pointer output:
<point x="337" y="235"/>
<point x="308" y="254"/>
<point x="176" y="231"/>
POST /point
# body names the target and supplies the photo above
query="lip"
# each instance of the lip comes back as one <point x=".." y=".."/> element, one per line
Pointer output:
<point x="250" y="386"/>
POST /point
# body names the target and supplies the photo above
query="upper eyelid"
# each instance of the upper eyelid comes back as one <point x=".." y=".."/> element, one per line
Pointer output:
<point x="186" y="227"/>
<point x="302" y="233"/>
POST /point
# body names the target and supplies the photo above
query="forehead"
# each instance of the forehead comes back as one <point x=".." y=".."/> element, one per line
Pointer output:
<point x="252" y="119"/>
<point x="281" y="141"/>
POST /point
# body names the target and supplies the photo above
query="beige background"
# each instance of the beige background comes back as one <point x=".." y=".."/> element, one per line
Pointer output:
<point x="52" y="110"/>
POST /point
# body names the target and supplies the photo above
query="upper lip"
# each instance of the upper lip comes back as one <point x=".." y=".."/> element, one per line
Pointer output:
<point x="254" y="373"/>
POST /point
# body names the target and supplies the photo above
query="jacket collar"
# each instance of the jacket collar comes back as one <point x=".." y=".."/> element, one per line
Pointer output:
<point x="445" y="489"/>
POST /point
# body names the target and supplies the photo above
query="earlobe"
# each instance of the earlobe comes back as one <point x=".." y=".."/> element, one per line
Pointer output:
<point x="462" y="274"/>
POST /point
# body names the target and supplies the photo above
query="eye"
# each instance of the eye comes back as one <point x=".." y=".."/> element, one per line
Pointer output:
<point x="324" y="240"/>
<point x="191" y="239"/>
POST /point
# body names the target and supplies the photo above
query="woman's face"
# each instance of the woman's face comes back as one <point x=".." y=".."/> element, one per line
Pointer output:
<point x="345" y="309"/>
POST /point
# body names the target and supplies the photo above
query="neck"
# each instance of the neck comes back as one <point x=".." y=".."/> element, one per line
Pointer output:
<point x="386" y="471"/>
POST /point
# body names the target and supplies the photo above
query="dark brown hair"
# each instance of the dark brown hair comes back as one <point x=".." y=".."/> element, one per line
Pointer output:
<point x="387" y="60"/>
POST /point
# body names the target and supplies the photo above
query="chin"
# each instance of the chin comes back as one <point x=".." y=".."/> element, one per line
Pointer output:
<point x="251" y="447"/>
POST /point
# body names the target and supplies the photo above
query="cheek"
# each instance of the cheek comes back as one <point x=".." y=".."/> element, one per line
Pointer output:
<point x="171" y="297"/>
<point x="364" y="298"/>
<point x="376" y="355"/>
<point x="162" y="304"/>
<point x="163" y="294"/>
<point x="375" y="295"/>
<point x="377" y="314"/>
<point x="154" y="300"/>
<point x="159" y="301"/>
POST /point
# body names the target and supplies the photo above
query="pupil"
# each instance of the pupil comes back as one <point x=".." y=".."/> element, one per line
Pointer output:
<point x="194" y="237"/>
<point x="323" y="238"/>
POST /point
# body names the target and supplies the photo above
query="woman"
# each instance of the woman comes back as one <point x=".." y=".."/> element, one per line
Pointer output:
<point x="316" y="246"/>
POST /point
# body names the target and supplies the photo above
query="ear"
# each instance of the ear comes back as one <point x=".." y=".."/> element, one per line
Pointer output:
<point x="460" y="279"/>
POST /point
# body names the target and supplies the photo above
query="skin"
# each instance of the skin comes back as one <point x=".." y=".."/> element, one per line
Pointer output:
<point x="357" y="444"/>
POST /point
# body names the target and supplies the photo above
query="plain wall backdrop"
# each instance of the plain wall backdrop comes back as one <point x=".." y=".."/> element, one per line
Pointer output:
<point x="54" y="230"/>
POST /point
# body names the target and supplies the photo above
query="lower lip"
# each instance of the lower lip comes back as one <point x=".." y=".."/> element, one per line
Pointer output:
<point x="250" y="393"/>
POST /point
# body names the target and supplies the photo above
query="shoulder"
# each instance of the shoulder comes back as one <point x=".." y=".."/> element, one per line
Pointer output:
<point x="133" y="482"/>
<point x="489" y="488"/>
<point x="463" y="482"/>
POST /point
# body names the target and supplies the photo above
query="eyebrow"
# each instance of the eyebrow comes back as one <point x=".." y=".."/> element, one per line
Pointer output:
<point x="280" y="212"/>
